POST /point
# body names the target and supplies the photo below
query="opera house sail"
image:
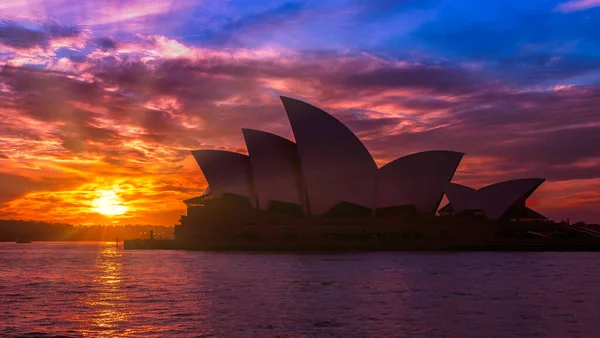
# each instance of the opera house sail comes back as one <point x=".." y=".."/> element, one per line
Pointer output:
<point x="337" y="167"/>
<point x="226" y="172"/>
<point x="276" y="172"/>
<point x="417" y="180"/>
<point x="495" y="201"/>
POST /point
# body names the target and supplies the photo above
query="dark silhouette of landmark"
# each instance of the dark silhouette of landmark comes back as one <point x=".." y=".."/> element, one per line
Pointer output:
<point x="325" y="192"/>
<point x="329" y="169"/>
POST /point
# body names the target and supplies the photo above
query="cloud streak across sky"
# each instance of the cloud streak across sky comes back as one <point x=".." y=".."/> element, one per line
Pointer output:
<point x="577" y="5"/>
<point x="112" y="95"/>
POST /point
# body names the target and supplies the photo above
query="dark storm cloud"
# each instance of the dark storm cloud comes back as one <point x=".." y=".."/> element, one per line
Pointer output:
<point x="14" y="186"/>
<point x="55" y="30"/>
<point x="545" y="133"/>
<point x="19" y="37"/>
<point x="45" y="83"/>
<point x="197" y="86"/>
<point x="365" y="125"/>
<point x="180" y="77"/>
<point x="47" y="96"/>
<point x="436" y="79"/>
<point x="106" y="43"/>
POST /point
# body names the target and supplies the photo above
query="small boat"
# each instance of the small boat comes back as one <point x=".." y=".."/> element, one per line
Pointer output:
<point x="23" y="241"/>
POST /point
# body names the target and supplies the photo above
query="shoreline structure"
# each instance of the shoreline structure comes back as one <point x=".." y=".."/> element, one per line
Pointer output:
<point x="324" y="192"/>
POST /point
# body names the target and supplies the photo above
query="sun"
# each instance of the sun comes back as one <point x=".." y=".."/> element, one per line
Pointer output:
<point x="108" y="203"/>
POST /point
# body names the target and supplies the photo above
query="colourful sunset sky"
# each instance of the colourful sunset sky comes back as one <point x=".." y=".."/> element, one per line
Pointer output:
<point x="102" y="101"/>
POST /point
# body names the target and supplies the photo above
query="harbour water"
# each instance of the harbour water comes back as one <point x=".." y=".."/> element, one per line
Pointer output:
<point x="96" y="290"/>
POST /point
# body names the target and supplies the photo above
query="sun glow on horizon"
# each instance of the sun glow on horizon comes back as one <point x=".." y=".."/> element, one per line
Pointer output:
<point x="108" y="203"/>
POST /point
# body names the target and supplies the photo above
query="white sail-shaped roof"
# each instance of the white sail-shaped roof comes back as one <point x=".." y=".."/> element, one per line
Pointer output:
<point x="225" y="172"/>
<point x="336" y="165"/>
<point x="497" y="198"/>
<point x="418" y="179"/>
<point x="276" y="169"/>
<point x="494" y="199"/>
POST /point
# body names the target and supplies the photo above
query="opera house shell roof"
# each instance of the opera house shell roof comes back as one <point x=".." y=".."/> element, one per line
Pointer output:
<point x="328" y="171"/>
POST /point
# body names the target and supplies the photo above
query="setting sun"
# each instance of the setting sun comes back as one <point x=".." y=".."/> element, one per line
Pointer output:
<point x="108" y="203"/>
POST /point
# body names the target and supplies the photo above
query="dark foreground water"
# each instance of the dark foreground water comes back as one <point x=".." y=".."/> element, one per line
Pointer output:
<point x="93" y="289"/>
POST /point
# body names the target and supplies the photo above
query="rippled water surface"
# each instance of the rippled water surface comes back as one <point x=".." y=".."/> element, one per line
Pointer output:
<point x="94" y="289"/>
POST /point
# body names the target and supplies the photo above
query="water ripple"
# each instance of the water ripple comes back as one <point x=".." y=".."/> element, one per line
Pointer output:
<point x="95" y="290"/>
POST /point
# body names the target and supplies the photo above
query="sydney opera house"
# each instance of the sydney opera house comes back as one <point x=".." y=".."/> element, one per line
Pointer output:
<point x="326" y="186"/>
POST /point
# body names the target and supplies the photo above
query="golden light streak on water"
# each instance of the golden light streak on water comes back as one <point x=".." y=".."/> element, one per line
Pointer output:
<point x="108" y="304"/>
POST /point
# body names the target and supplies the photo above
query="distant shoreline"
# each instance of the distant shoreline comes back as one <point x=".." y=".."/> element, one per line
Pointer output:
<point x="69" y="241"/>
<point x="36" y="231"/>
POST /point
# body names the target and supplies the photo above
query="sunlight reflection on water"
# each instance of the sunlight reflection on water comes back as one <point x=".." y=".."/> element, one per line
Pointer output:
<point x="109" y="299"/>
<point x="97" y="290"/>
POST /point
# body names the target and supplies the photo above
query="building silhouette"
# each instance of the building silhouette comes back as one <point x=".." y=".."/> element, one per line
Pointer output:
<point x="325" y="192"/>
<point x="329" y="173"/>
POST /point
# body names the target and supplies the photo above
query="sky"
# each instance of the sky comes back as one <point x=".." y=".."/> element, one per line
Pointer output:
<point x="101" y="101"/>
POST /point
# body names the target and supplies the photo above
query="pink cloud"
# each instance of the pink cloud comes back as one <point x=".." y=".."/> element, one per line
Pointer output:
<point x="120" y="15"/>
<point x="577" y="5"/>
